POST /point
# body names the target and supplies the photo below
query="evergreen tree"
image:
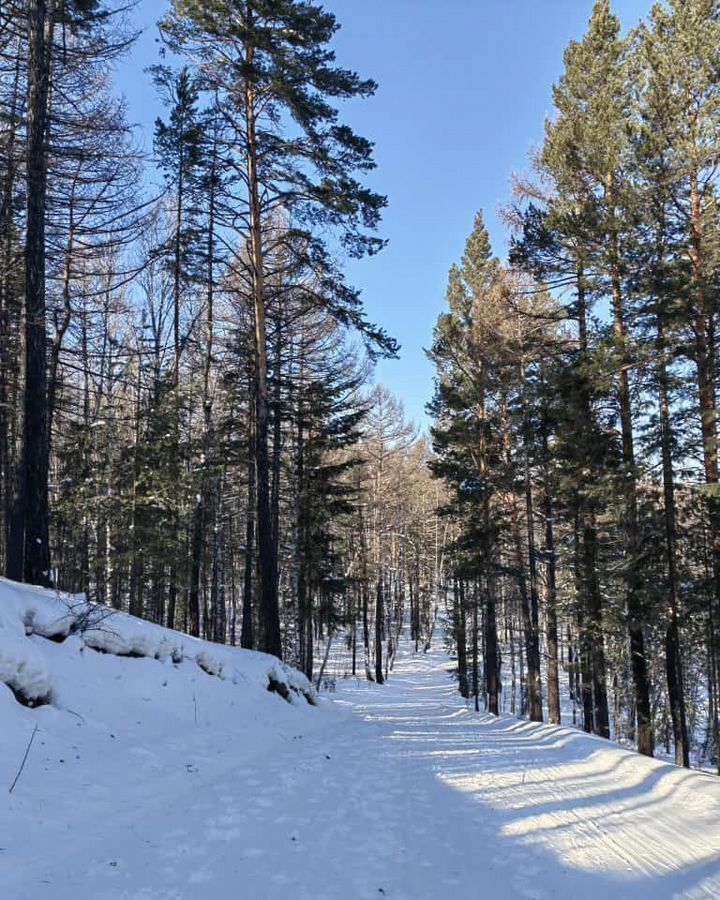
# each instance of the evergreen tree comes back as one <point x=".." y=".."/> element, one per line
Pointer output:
<point x="272" y="60"/>
<point x="591" y="136"/>
<point x="464" y="437"/>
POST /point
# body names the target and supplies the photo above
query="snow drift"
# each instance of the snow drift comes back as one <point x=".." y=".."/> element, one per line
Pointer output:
<point x="29" y="617"/>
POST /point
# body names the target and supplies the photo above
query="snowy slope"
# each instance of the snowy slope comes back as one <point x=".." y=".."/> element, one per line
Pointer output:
<point x="31" y="617"/>
<point x="395" y="792"/>
<point x="123" y="738"/>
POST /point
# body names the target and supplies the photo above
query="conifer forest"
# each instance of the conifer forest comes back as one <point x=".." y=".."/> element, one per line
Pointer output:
<point x="199" y="426"/>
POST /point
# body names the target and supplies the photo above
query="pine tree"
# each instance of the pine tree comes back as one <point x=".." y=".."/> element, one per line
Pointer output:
<point x="677" y="244"/>
<point x="463" y="438"/>
<point x="272" y="60"/>
<point x="588" y="145"/>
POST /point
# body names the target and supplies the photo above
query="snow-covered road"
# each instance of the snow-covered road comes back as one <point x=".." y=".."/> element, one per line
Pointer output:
<point x="402" y="793"/>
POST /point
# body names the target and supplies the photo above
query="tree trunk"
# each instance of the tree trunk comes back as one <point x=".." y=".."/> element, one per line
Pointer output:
<point x="489" y="620"/>
<point x="536" y="713"/>
<point x="270" y="638"/>
<point x="592" y="649"/>
<point x="594" y="629"/>
<point x="379" y="614"/>
<point x="673" y="659"/>
<point x="460" y="638"/>
<point x="8" y="353"/>
<point x="633" y="575"/>
<point x="35" y="454"/>
<point x="583" y="654"/>
<point x="528" y="603"/>
<point x="304" y="599"/>
<point x="277" y="430"/>
<point x="704" y="333"/>
<point x="196" y="550"/>
<point x="475" y="659"/>
<point x="551" y="626"/>
<point x="247" y="631"/>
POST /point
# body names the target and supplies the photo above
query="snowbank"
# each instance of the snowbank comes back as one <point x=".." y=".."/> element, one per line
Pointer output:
<point x="106" y="719"/>
<point x="28" y="612"/>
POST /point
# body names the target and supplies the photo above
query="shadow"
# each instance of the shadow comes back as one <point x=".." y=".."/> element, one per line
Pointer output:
<point x="601" y="821"/>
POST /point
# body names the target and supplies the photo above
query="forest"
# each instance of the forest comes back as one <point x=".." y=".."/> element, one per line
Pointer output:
<point x="576" y="402"/>
<point x="190" y="427"/>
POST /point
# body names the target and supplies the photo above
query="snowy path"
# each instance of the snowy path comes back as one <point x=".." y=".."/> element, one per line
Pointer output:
<point x="400" y="793"/>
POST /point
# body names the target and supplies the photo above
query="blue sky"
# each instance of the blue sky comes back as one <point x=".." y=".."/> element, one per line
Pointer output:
<point x="464" y="88"/>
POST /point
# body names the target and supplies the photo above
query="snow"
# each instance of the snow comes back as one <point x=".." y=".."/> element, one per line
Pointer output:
<point x="153" y="780"/>
<point x="26" y="612"/>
